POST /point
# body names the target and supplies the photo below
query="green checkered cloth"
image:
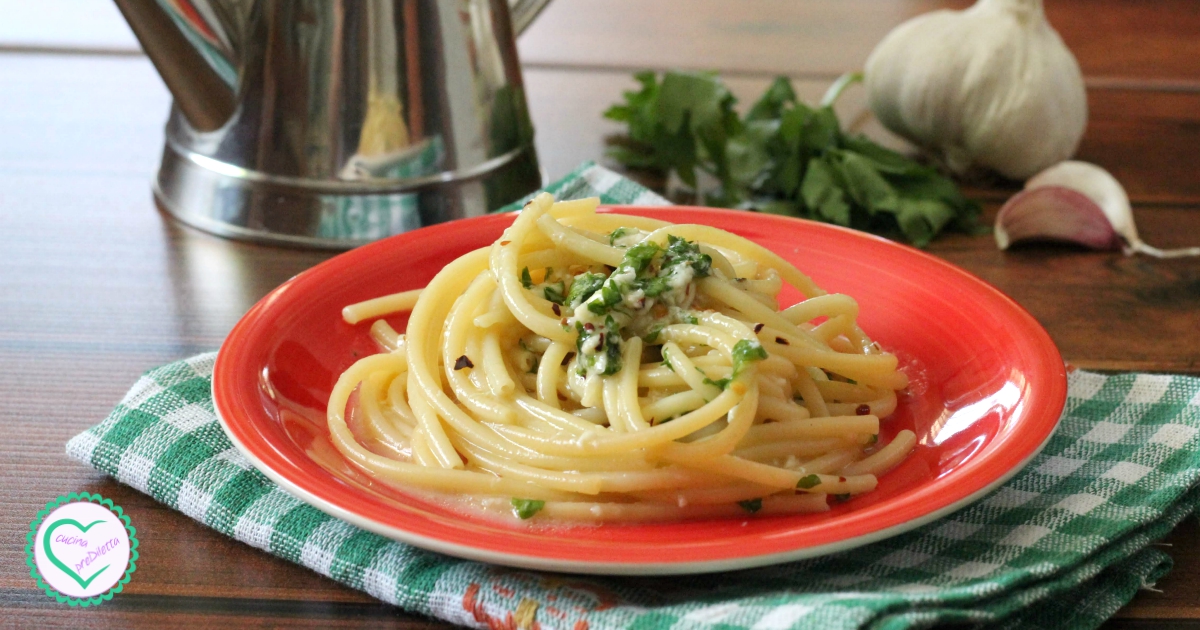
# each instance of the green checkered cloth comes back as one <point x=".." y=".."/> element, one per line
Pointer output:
<point x="592" y="180"/>
<point x="1063" y="544"/>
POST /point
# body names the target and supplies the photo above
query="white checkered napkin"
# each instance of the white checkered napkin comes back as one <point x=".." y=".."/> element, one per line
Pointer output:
<point x="1062" y="545"/>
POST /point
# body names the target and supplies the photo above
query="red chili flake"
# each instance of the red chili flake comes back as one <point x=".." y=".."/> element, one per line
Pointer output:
<point x="863" y="410"/>
<point x="841" y="480"/>
<point x="567" y="358"/>
<point x="758" y="327"/>
<point x="503" y="243"/>
<point x="783" y="342"/>
<point x="563" y="321"/>
<point x="589" y="327"/>
<point x="554" y="307"/>
<point x="601" y="344"/>
<point x="463" y="362"/>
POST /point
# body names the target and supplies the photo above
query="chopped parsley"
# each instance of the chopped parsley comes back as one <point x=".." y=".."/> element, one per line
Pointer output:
<point x="526" y="508"/>
<point x="610" y="296"/>
<point x="526" y="279"/>
<point x="639" y="256"/>
<point x="649" y="275"/>
<point x="647" y="271"/>
<point x="654" y="287"/>
<point x="599" y="347"/>
<point x="722" y="383"/>
<point x="746" y="352"/>
<point x="681" y="251"/>
<point x="806" y="483"/>
<point x="554" y="292"/>
<point x="582" y="288"/>
<point x="751" y="505"/>
<point x="667" y="360"/>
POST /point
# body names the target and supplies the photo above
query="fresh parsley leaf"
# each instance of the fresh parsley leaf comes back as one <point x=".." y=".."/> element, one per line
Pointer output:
<point x="824" y="194"/>
<point x="784" y="157"/>
<point x="526" y="508"/>
<point x="771" y="104"/>
<point x="526" y="279"/>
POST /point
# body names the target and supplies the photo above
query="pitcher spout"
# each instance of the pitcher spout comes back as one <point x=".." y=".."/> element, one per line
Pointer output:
<point x="189" y="44"/>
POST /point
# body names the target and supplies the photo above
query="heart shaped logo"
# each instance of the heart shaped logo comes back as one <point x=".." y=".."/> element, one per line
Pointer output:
<point x="81" y="549"/>
<point x="59" y="563"/>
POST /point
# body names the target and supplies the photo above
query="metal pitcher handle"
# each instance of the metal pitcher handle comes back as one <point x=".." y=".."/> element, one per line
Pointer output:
<point x="524" y="12"/>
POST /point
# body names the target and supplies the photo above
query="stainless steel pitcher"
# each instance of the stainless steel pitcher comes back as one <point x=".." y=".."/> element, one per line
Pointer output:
<point x="331" y="123"/>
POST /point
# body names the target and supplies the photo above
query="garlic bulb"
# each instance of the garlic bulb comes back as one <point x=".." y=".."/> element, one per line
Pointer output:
<point x="992" y="86"/>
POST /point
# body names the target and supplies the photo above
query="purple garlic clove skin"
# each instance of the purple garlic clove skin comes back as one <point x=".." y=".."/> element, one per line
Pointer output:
<point x="1096" y="214"/>
<point x="1055" y="213"/>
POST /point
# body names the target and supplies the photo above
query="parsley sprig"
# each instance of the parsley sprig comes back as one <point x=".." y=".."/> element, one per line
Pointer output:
<point x="784" y="157"/>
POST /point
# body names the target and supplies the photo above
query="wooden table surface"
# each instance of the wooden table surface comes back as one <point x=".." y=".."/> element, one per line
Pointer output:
<point x="96" y="286"/>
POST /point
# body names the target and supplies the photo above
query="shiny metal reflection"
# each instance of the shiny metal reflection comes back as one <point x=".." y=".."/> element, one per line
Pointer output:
<point x="332" y="123"/>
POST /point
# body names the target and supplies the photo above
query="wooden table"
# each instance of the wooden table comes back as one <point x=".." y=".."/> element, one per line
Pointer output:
<point x="96" y="286"/>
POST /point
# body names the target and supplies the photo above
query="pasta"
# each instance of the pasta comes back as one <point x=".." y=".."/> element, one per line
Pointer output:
<point x="603" y="367"/>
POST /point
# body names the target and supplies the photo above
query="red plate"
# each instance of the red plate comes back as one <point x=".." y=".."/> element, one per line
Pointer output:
<point x="987" y="389"/>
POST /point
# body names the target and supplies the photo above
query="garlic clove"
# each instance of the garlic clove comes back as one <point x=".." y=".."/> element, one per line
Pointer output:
<point x="1054" y="213"/>
<point x="1096" y="184"/>
<point x="1102" y="188"/>
<point x="1076" y="202"/>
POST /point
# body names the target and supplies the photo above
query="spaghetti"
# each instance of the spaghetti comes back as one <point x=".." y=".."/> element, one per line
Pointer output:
<point x="595" y="367"/>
